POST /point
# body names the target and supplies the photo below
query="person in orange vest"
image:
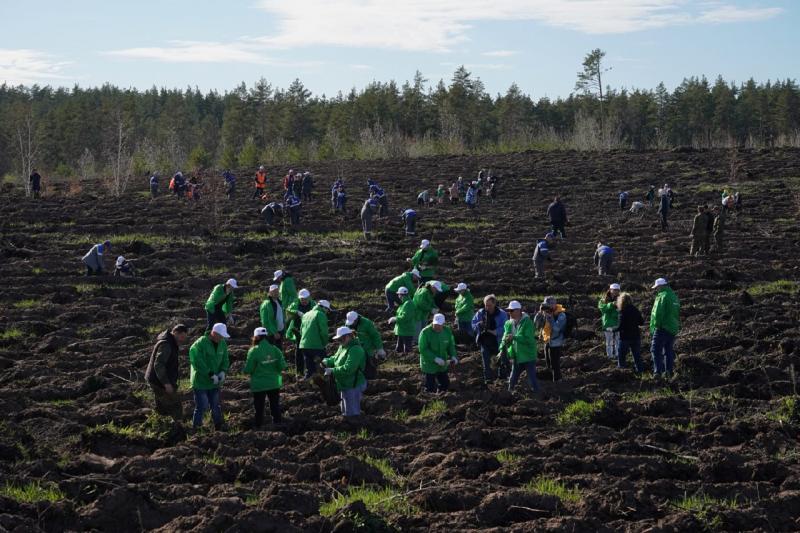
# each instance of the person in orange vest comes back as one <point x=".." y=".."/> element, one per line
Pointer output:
<point x="261" y="182"/>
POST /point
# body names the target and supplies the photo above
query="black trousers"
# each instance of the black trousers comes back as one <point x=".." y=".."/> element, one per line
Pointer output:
<point x="274" y="406"/>
<point x="552" y="356"/>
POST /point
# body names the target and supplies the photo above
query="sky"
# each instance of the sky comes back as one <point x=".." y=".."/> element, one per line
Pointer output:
<point x="335" y="45"/>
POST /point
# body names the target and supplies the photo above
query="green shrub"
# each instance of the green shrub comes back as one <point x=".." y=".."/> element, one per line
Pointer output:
<point x="786" y="411"/>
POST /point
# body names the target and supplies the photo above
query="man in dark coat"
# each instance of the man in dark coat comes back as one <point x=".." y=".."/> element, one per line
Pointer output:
<point x="557" y="213"/>
<point x="163" y="371"/>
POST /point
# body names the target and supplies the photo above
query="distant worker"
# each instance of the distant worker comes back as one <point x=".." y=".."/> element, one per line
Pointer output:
<point x="178" y="185"/>
<point x="230" y="183"/>
<point x="663" y="209"/>
<point x="123" y="268"/>
<point x="453" y="193"/>
<point x="341" y="201"/>
<point x="294" y="206"/>
<point x="308" y="186"/>
<point x="219" y="305"/>
<point x="437" y="351"/>
<point x="637" y="208"/>
<point x="424" y="197"/>
<point x="440" y="194"/>
<point x="338" y="184"/>
<point x="630" y="336"/>
<point x="609" y="320"/>
<point x="650" y="197"/>
<point x="265" y="365"/>
<point x="314" y="336"/>
<point x="379" y="195"/>
<point x="94" y="259"/>
<point x="404" y="321"/>
<point x="603" y="259"/>
<point x="35" y="182"/>
<point x="699" y="232"/>
<point x="623" y="200"/>
<point x="465" y="309"/>
<point x="272" y="316"/>
<point x="368" y="210"/>
<point x="272" y="212"/>
<point x="551" y="321"/>
<point x="664" y="327"/>
<point x="163" y="372"/>
<point x="409" y="218"/>
<point x="347" y="367"/>
<point x="154" y="185"/>
<point x="519" y="345"/>
<point x="425" y="260"/>
<point x="557" y="214"/>
<point x="409" y="280"/>
<point x="462" y="187"/>
<point x="260" y="182"/>
<point x="209" y="362"/>
<point x="471" y="198"/>
<point x="541" y="254"/>
<point x="719" y="230"/>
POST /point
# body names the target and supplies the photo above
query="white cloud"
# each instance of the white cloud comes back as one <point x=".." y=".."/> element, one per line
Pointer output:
<point x="500" y="53"/>
<point x="195" y="52"/>
<point x="27" y="67"/>
<point x="361" y="67"/>
<point x="441" y="25"/>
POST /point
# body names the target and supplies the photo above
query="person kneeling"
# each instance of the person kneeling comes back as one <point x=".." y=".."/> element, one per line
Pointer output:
<point x="347" y="367"/>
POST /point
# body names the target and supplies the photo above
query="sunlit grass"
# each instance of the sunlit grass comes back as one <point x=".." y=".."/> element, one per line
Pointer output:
<point x="580" y="412"/>
<point x="380" y="501"/>
<point x="32" y="492"/>
<point x="433" y="409"/>
<point x="30" y="303"/>
<point x="782" y="286"/>
<point x="11" y="334"/>
<point x="552" y="487"/>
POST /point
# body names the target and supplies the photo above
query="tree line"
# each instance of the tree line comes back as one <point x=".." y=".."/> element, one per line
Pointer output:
<point x="110" y="130"/>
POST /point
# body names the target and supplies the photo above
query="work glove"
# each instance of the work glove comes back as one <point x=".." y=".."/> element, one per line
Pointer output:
<point x="231" y="320"/>
<point x="215" y="379"/>
<point x="221" y="377"/>
<point x="381" y="353"/>
<point x="439" y="361"/>
<point x="300" y="313"/>
<point x="454" y="360"/>
<point x="328" y="371"/>
<point x="392" y="320"/>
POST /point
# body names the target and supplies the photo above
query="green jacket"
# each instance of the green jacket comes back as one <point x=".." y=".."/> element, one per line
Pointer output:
<point x="219" y="298"/>
<point x="425" y="261"/>
<point x="405" y="279"/>
<point x="348" y="366"/>
<point x="293" y="328"/>
<point x="433" y="345"/>
<point x="288" y="295"/>
<point x="666" y="312"/>
<point x="465" y="307"/>
<point x="609" y="315"/>
<point x="314" y="329"/>
<point x="264" y="365"/>
<point x="268" y="318"/>
<point x="406" y="318"/>
<point x="368" y="336"/>
<point x="205" y="359"/>
<point x="523" y="348"/>
<point x="423" y="303"/>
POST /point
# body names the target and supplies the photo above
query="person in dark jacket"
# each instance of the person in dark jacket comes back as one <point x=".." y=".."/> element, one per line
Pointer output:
<point x="271" y="212"/>
<point x="154" y="185"/>
<point x="36" y="183"/>
<point x="409" y="218"/>
<point x="230" y="183"/>
<point x="623" y="200"/>
<point x="179" y="184"/>
<point x="293" y="206"/>
<point x="630" y="336"/>
<point x="163" y="371"/>
<point x="557" y="213"/>
<point x="664" y="207"/>
<point x="308" y="186"/>
<point x="488" y="325"/>
<point x="94" y="259"/>
<point x="368" y="210"/>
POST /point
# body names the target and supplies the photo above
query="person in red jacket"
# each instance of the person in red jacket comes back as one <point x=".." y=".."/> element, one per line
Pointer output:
<point x="261" y="182"/>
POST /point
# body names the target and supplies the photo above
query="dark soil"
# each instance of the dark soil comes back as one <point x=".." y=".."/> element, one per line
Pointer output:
<point x="74" y="349"/>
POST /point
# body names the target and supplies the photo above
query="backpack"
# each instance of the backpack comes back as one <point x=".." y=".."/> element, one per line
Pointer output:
<point x="570" y="326"/>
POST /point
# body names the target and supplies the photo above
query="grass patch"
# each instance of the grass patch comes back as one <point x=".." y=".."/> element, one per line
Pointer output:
<point x="32" y="492"/>
<point x="37" y="271"/>
<point x="552" y="487"/>
<point x="686" y="428"/>
<point x="466" y="225"/>
<point x="580" y="412"/>
<point x="782" y="286"/>
<point x="701" y="504"/>
<point x="364" y="434"/>
<point x="380" y="501"/>
<point x="215" y="459"/>
<point x="252" y="499"/>
<point x="85" y="288"/>
<point x="389" y="473"/>
<point x="11" y="334"/>
<point x="786" y="411"/>
<point x="154" y="427"/>
<point x="29" y="303"/>
<point x="254" y="297"/>
<point x="60" y="403"/>
<point x="400" y="416"/>
<point x="209" y="271"/>
<point x="155" y="240"/>
<point x="505" y="457"/>
<point x="433" y="409"/>
<point x="644" y="395"/>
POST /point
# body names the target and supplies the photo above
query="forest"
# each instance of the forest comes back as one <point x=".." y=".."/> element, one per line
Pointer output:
<point x="85" y="132"/>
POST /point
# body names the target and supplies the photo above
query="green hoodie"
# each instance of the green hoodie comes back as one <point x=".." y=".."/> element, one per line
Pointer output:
<point x="293" y="329"/>
<point x="405" y="279"/>
<point x="218" y="297"/>
<point x="522" y="348"/>
<point x="314" y="329"/>
<point x="406" y="319"/>
<point x="465" y="307"/>
<point x="433" y="344"/>
<point x="288" y="295"/>
<point x="428" y="258"/>
<point x="368" y="336"/>
<point x="423" y="303"/>
<point x="205" y="359"/>
<point x="348" y="366"/>
<point x="268" y="318"/>
<point x="264" y="365"/>
<point x="609" y="315"/>
<point x="666" y="312"/>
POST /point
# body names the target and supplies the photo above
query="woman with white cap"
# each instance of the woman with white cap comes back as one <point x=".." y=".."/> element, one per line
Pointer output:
<point x="609" y="319"/>
<point x="296" y="312"/>
<point x="404" y="321"/>
<point x="519" y="344"/>
<point x="272" y="316"/>
<point x="209" y="362"/>
<point x="288" y="290"/>
<point x="219" y="305"/>
<point x="465" y="309"/>
<point x="425" y="302"/>
<point x="437" y="351"/>
<point x="264" y="365"/>
<point x="425" y="260"/>
<point x="409" y="280"/>
<point x="347" y="366"/>
<point x="366" y="333"/>
<point x="314" y="336"/>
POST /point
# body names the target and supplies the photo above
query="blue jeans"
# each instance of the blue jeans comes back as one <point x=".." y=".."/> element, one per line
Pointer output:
<point x="486" y="355"/>
<point x="392" y="300"/>
<point x="635" y="346"/>
<point x="311" y="358"/>
<point x="411" y="225"/>
<point x="662" y="350"/>
<point x="351" y="400"/>
<point x="516" y="372"/>
<point x="438" y="382"/>
<point x="203" y="401"/>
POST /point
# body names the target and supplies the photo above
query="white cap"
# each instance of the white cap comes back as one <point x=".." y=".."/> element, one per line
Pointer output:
<point x="514" y="305"/>
<point x="342" y="331"/>
<point x="325" y="303"/>
<point x="221" y="330"/>
<point x="402" y="290"/>
<point x="425" y="243"/>
<point x="439" y="319"/>
<point x="304" y="293"/>
<point x="232" y="283"/>
<point x="415" y="272"/>
<point x="277" y="274"/>
<point x="274" y="287"/>
<point x="437" y="285"/>
<point x="120" y="260"/>
<point x="614" y="287"/>
<point x="260" y="332"/>
<point x="660" y="282"/>
<point x="351" y="318"/>
<point x="461" y="287"/>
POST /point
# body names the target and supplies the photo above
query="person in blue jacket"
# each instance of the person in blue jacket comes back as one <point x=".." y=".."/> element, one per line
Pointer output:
<point x="409" y="217"/>
<point x="292" y="203"/>
<point x="472" y="195"/>
<point x="488" y="326"/>
<point x="603" y="259"/>
<point x="230" y="183"/>
<point x="623" y="200"/>
<point x="540" y="255"/>
<point x="377" y="193"/>
<point x="154" y="185"/>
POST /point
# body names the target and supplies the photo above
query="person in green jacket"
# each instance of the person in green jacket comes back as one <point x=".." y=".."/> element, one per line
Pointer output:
<point x="465" y="309"/>
<point x="288" y="290"/>
<point x="409" y="280"/>
<point x="519" y="344"/>
<point x="347" y="366"/>
<point x="664" y="327"/>
<point x="425" y="260"/>
<point x="367" y="334"/>
<point x="314" y="336"/>
<point x="219" y="305"/>
<point x="425" y="303"/>
<point x="264" y="365"/>
<point x="209" y="361"/>
<point x="404" y="321"/>
<point x="296" y="312"/>
<point x="272" y="316"/>
<point x="437" y="350"/>
<point x="609" y="320"/>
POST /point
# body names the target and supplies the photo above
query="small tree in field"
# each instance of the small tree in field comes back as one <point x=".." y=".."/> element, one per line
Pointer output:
<point x="26" y="137"/>
<point x="119" y="156"/>
<point x="199" y="159"/>
<point x="590" y="79"/>
<point x="248" y="157"/>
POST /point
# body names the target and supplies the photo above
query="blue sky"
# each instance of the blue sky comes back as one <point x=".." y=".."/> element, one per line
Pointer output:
<point x="335" y="45"/>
